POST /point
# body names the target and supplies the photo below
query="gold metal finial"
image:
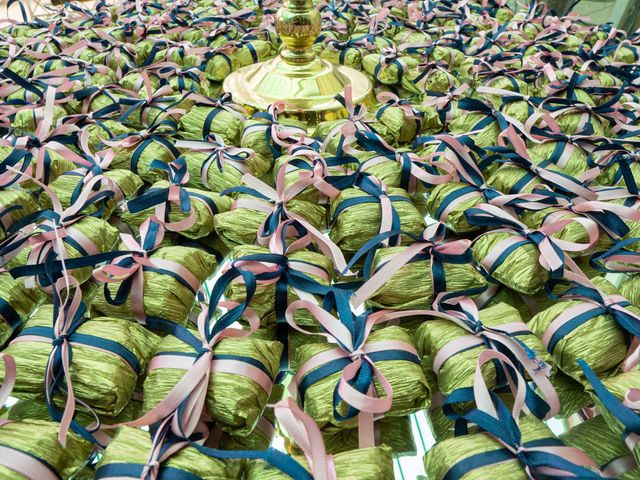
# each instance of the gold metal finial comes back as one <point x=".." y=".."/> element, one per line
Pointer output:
<point x="307" y="83"/>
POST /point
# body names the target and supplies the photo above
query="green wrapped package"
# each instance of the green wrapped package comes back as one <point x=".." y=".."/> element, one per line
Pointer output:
<point x="599" y="341"/>
<point x="428" y="79"/>
<point x="340" y="53"/>
<point x="256" y="135"/>
<point x="125" y="183"/>
<point x="104" y="130"/>
<point x="410" y="388"/>
<point x="263" y="301"/>
<point x="403" y="125"/>
<point x="451" y="452"/>
<point x="374" y="463"/>
<point x="234" y="56"/>
<point x="573" y="232"/>
<point x="234" y="401"/>
<point x="91" y="231"/>
<point x="603" y="445"/>
<point x="388" y="69"/>
<point x="630" y="289"/>
<point x="393" y="432"/>
<point x="36" y="442"/>
<point x="204" y="204"/>
<point x="17" y="302"/>
<point x="102" y="379"/>
<point x="25" y="120"/>
<point x="575" y="159"/>
<point x="206" y="171"/>
<point x="573" y="396"/>
<point x="411" y="286"/>
<point x="352" y="226"/>
<point x="457" y="370"/>
<point x="130" y="449"/>
<point x="15" y="204"/>
<point x="527" y="306"/>
<point x="201" y="121"/>
<point x="239" y="225"/>
<point x="164" y="296"/>
<point x="144" y="149"/>
<point x="333" y="128"/>
<point x="467" y="122"/>
<point x="57" y="165"/>
<point x="449" y="201"/>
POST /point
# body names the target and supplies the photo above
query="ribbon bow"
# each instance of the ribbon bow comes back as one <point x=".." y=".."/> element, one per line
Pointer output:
<point x="162" y="198"/>
<point x="278" y="137"/>
<point x="355" y="121"/>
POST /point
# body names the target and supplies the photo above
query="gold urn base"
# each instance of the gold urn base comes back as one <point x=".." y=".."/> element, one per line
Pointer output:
<point x="309" y="89"/>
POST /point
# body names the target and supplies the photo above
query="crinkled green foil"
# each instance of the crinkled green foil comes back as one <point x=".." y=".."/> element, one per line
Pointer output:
<point x="506" y="178"/>
<point x="521" y="270"/>
<point x="600" y="342"/>
<point x="57" y="166"/>
<point x="394" y="432"/>
<point x="259" y="139"/>
<point x="133" y="446"/>
<point x="263" y="300"/>
<point x="411" y="287"/>
<point x="223" y="123"/>
<point x="402" y="129"/>
<point x="630" y="289"/>
<point x="455" y="219"/>
<point x="39" y="439"/>
<point x="21" y="299"/>
<point x="600" y="443"/>
<point x="356" y="224"/>
<point x="104" y="130"/>
<point x="125" y="181"/>
<point x="576" y="165"/>
<point x="410" y="389"/>
<point x="228" y="176"/>
<point x="373" y="463"/>
<point x="466" y="123"/>
<point x="323" y="129"/>
<point x="448" y="453"/>
<point x="572" y="394"/>
<point x="164" y="296"/>
<point x="25" y="120"/>
<point x="458" y="370"/>
<point x="239" y="226"/>
<point x="415" y="81"/>
<point x="19" y="203"/>
<point x="234" y="402"/>
<point x="147" y="154"/>
<point x="102" y="380"/>
<point x="203" y="224"/>
<point x="387" y="74"/>
<point x="572" y="232"/>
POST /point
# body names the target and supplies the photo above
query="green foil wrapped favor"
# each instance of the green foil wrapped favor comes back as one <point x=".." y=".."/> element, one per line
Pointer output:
<point x="411" y="287"/>
<point x="388" y="69"/>
<point x="374" y="463"/>
<point x="352" y="226"/>
<point x="599" y="340"/>
<point x="15" y="204"/>
<point x="17" y="302"/>
<point x="604" y="446"/>
<point x="234" y="401"/>
<point x="139" y="150"/>
<point x="449" y="201"/>
<point x="457" y="370"/>
<point x="200" y="121"/>
<point x="257" y="136"/>
<point x="448" y="453"/>
<point x="164" y="296"/>
<point x="410" y="389"/>
<point x="630" y="289"/>
<point x="131" y="448"/>
<point x="205" y="205"/>
<point x="36" y="442"/>
<point x="102" y="379"/>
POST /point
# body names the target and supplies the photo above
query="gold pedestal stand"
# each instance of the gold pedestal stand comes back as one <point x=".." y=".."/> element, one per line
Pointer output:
<point x="305" y="82"/>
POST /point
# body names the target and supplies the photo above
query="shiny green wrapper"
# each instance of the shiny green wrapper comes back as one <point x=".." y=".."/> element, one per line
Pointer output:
<point x="235" y="402"/>
<point x="263" y="300"/>
<point x="419" y="82"/>
<point x="138" y="158"/>
<point x="393" y="432"/>
<point x="448" y="453"/>
<point x="25" y="120"/>
<point x="353" y="226"/>
<point x="102" y="380"/>
<point x="16" y="204"/>
<point x="465" y="123"/>
<point x="100" y="233"/>
<point x="600" y="342"/>
<point x="439" y="199"/>
<point x="104" y="130"/>
<point x="575" y="165"/>
<point x="411" y="287"/>
<point x="202" y="202"/>
<point x="520" y="271"/>
<point x="256" y="135"/>
<point x="201" y="121"/>
<point x="239" y="226"/>
<point x="39" y="439"/>
<point x="389" y="74"/>
<point x="410" y="388"/>
<point x="57" y="166"/>
<point x="401" y="128"/>
<point x="630" y="289"/>
<point x="573" y="396"/>
<point x="458" y="370"/>
<point x="324" y="129"/>
<point x="373" y="463"/>
<point x="125" y="182"/>
<point x="525" y="305"/>
<point x="219" y="179"/>
<point x="17" y="302"/>
<point x="164" y="296"/>
<point x="506" y="178"/>
<point x="572" y="232"/>
<point x="602" y="444"/>
<point x="219" y="66"/>
<point x="351" y="57"/>
<point x="133" y="447"/>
